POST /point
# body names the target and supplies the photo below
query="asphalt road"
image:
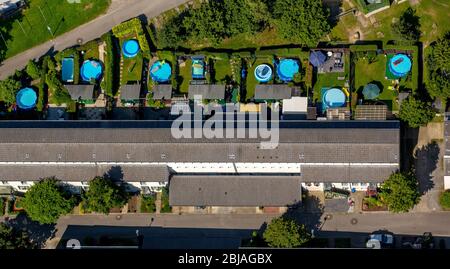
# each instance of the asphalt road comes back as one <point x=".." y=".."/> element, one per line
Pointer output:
<point x="226" y="231"/>
<point x="119" y="11"/>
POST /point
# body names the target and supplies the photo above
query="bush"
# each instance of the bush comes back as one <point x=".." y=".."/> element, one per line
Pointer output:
<point x="400" y="192"/>
<point x="133" y="27"/>
<point x="109" y="83"/>
<point x="165" y="207"/>
<point x="415" y="112"/>
<point x="148" y="204"/>
<point x="33" y="70"/>
<point x="444" y="200"/>
<point x="285" y="233"/>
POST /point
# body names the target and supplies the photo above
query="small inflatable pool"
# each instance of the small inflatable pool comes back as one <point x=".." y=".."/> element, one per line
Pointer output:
<point x="400" y="65"/>
<point x="263" y="73"/>
<point x="333" y="98"/>
<point x="286" y="69"/>
<point x="160" y="71"/>
<point x="130" y="48"/>
<point x="26" y="98"/>
<point x="91" y="70"/>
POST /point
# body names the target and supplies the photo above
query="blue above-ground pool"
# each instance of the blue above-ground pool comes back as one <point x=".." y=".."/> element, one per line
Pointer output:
<point x="198" y="68"/>
<point x="130" y="48"/>
<point x="160" y="71"/>
<point x="91" y="70"/>
<point x="286" y="69"/>
<point x="400" y="65"/>
<point x="67" y="69"/>
<point x="263" y="73"/>
<point x="26" y="98"/>
<point x="333" y="98"/>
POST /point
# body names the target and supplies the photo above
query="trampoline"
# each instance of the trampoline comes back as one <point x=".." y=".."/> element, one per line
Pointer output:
<point x="263" y="73"/>
<point x="67" y="69"/>
<point x="400" y="65"/>
<point x="333" y="98"/>
<point x="160" y="71"/>
<point x="26" y="98"/>
<point x="286" y="69"/>
<point x="91" y="70"/>
<point x="130" y="48"/>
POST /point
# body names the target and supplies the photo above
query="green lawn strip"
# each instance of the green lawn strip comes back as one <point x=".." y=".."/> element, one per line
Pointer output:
<point x="132" y="69"/>
<point x="30" y="29"/>
<point x="185" y="76"/>
<point x="222" y="70"/>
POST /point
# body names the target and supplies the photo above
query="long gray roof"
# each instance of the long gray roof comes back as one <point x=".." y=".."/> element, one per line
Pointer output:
<point x="346" y="173"/>
<point x="162" y="91"/>
<point x="83" y="92"/>
<point x="84" y="172"/>
<point x="207" y="91"/>
<point x="116" y="144"/>
<point x="273" y="91"/>
<point x="234" y="190"/>
<point x="130" y="92"/>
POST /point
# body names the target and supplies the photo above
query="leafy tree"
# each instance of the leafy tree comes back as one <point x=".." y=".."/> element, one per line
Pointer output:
<point x="301" y="21"/>
<point x="444" y="200"/>
<point x="285" y="233"/>
<point x="408" y="26"/>
<point x="438" y="63"/>
<point x="33" y="70"/>
<point x="104" y="194"/>
<point x="8" y="90"/>
<point x="399" y="192"/>
<point x="11" y="238"/>
<point x="46" y="201"/>
<point x="415" y="112"/>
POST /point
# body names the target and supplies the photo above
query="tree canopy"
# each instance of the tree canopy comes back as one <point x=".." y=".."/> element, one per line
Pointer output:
<point x="438" y="63"/>
<point x="103" y="194"/>
<point x="46" y="201"/>
<point x="415" y="112"/>
<point x="399" y="192"/>
<point x="408" y="26"/>
<point x="11" y="238"/>
<point x="301" y="21"/>
<point x="212" y="21"/>
<point x="8" y="90"/>
<point x="285" y="233"/>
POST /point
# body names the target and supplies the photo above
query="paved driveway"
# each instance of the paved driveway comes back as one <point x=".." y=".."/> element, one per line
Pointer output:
<point x="120" y="10"/>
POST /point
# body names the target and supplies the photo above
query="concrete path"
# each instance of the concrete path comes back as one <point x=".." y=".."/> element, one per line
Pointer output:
<point x="120" y="10"/>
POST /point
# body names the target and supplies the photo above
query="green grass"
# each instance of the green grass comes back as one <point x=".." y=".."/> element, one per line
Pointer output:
<point x="222" y="69"/>
<point x="431" y="12"/>
<point x="375" y="72"/>
<point x="251" y="80"/>
<point x="132" y="69"/>
<point x="61" y="16"/>
<point x="185" y="76"/>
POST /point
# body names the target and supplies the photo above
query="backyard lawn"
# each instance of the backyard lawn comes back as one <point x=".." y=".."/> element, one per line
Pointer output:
<point x="185" y="76"/>
<point x="30" y="29"/>
<point x="222" y="70"/>
<point x="132" y="69"/>
<point x="375" y="72"/>
<point x="251" y="80"/>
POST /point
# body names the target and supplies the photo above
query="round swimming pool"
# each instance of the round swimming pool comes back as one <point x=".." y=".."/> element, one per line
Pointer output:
<point x="26" y="98"/>
<point x="400" y="65"/>
<point x="91" y="70"/>
<point x="130" y="48"/>
<point x="333" y="98"/>
<point x="160" y="71"/>
<point x="263" y="73"/>
<point x="287" y="69"/>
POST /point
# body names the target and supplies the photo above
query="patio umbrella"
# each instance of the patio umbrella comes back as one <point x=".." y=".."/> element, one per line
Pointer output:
<point x="371" y="91"/>
<point x="317" y="58"/>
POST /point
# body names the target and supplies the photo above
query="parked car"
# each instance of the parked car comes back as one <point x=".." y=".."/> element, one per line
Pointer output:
<point x="386" y="239"/>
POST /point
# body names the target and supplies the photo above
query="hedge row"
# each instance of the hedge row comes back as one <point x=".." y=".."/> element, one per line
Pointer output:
<point x="109" y="83"/>
<point x="356" y="48"/>
<point x="133" y="26"/>
<point x="286" y="52"/>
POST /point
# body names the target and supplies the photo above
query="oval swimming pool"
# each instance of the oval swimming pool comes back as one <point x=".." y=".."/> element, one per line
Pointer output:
<point x="130" y="48"/>
<point x="263" y="73"/>
<point x="26" y="98"/>
<point x="91" y="70"/>
<point x="334" y="98"/>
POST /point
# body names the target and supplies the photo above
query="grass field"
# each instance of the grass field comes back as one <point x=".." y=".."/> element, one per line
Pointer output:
<point x="222" y="71"/>
<point x="30" y="28"/>
<point x="433" y="14"/>
<point x="185" y="76"/>
<point x="375" y="72"/>
<point x="132" y="69"/>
